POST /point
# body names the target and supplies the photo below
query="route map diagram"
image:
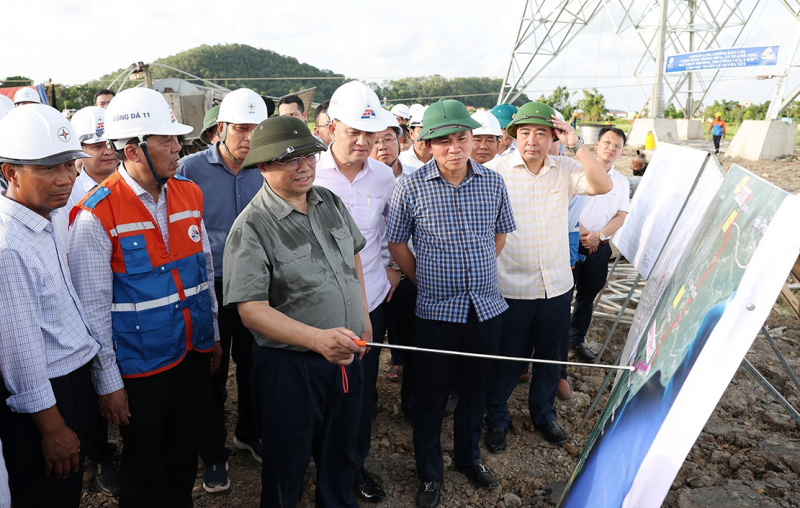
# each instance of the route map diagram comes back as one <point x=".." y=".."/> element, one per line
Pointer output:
<point x="694" y="299"/>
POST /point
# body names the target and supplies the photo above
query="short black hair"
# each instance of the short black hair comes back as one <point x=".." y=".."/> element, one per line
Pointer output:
<point x="292" y="99"/>
<point x="404" y="127"/>
<point x="616" y="131"/>
<point x="321" y="109"/>
<point x="104" y="91"/>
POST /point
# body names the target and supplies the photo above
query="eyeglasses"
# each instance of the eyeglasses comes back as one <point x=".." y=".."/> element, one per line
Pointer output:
<point x="388" y="139"/>
<point x="609" y="144"/>
<point x="294" y="164"/>
<point x="323" y="126"/>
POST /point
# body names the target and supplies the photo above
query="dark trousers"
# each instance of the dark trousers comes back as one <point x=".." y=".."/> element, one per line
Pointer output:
<point x="302" y="411"/>
<point x="159" y="459"/>
<point x="98" y="449"/>
<point x="370" y="393"/>
<point x="590" y="276"/>
<point x="527" y="324"/>
<point x="717" y="139"/>
<point x="237" y="342"/>
<point x="400" y="317"/>
<point x="22" y="445"/>
<point x="436" y="376"/>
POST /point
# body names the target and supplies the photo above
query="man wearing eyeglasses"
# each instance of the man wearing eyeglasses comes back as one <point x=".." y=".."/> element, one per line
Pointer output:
<point x="534" y="268"/>
<point x="293" y="269"/>
<point x="227" y="189"/>
<point x="365" y="186"/>
<point x="601" y="217"/>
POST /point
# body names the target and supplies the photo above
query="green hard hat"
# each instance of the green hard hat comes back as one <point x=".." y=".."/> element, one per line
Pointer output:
<point x="537" y="113"/>
<point x="210" y="120"/>
<point x="446" y="117"/>
<point x="280" y="138"/>
<point x="504" y="113"/>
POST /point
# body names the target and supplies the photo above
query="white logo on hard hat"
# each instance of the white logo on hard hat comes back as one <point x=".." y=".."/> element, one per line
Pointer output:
<point x="251" y="107"/>
<point x="64" y="134"/>
<point x="194" y="233"/>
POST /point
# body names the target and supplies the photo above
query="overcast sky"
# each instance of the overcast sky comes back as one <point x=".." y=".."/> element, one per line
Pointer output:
<point x="74" y="42"/>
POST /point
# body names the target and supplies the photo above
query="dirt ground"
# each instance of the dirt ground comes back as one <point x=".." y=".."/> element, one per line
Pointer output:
<point x="748" y="455"/>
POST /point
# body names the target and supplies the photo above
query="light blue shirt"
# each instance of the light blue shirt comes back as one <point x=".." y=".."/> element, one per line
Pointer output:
<point x="43" y="333"/>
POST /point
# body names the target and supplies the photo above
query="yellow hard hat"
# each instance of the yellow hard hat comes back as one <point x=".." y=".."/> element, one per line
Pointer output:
<point x="718" y="114"/>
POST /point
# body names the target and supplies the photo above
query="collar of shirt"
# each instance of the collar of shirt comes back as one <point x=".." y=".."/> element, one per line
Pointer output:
<point x="214" y="157"/>
<point x="432" y="171"/>
<point x="279" y="206"/>
<point x="25" y="215"/>
<point x="517" y="161"/>
<point x="327" y="162"/>
<point x="85" y="183"/>
<point x="138" y="189"/>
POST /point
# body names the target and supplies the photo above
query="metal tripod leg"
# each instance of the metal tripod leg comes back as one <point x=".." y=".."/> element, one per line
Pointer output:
<point x="619" y="316"/>
<point x="599" y="393"/>
<point x="771" y="389"/>
<point x="781" y="358"/>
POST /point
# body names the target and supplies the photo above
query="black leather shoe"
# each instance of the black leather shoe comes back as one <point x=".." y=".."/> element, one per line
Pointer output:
<point x="368" y="489"/>
<point x="428" y="494"/>
<point x="552" y="432"/>
<point x="496" y="439"/>
<point x="584" y="353"/>
<point x="105" y="478"/>
<point x="478" y="474"/>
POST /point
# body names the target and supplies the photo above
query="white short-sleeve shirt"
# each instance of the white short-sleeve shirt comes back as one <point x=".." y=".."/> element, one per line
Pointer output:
<point x="599" y="210"/>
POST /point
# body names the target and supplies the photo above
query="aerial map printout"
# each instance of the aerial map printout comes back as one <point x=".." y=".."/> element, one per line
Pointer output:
<point x="720" y="293"/>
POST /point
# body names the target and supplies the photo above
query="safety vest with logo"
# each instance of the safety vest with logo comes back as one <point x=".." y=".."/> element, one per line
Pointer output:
<point x="161" y="307"/>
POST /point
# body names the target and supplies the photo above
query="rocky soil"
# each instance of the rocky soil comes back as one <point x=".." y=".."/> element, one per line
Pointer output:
<point x="748" y="455"/>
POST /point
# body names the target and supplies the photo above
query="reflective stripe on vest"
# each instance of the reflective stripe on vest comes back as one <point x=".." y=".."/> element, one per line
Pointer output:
<point x="160" y="302"/>
<point x="133" y="226"/>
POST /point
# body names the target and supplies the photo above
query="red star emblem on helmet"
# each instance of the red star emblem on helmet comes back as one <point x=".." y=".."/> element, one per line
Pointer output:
<point x="63" y="134"/>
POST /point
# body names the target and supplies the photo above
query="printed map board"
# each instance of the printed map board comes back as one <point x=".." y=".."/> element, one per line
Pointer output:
<point x="711" y="309"/>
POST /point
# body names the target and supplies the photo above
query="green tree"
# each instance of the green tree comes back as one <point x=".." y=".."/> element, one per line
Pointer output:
<point x="593" y="105"/>
<point x="475" y="92"/>
<point x="559" y="100"/>
<point x="672" y="112"/>
<point x="12" y="81"/>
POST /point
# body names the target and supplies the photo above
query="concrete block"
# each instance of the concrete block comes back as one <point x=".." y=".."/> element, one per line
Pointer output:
<point x="689" y="129"/>
<point x="762" y="140"/>
<point x="665" y="129"/>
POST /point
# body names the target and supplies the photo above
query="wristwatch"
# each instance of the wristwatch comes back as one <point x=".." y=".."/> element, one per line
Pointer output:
<point x="394" y="266"/>
<point x="602" y="236"/>
<point x="574" y="149"/>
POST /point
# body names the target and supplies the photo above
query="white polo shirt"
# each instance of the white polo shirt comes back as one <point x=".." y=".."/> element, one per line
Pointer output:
<point x="599" y="210"/>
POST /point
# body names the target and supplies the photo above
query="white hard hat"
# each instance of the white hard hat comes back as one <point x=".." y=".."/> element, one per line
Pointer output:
<point x="416" y="116"/>
<point x="415" y="108"/>
<point x="27" y="94"/>
<point x="4" y="107"/>
<point x="402" y="111"/>
<point x="6" y="103"/>
<point x="38" y="135"/>
<point x="89" y="124"/>
<point x="356" y="105"/>
<point x="140" y="112"/>
<point x="242" y="106"/>
<point x="490" y="125"/>
<point x="392" y="122"/>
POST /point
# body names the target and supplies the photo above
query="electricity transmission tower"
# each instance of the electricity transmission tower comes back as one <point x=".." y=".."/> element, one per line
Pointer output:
<point x="648" y="30"/>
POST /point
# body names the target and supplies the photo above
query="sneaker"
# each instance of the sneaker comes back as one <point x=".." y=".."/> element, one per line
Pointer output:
<point x="251" y="445"/>
<point x="216" y="478"/>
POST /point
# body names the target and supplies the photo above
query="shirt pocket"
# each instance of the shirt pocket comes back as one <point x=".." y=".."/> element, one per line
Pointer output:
<point x="298" y="268"/>
<point x="145" y="334"/>
<point x="135" y="255"/>
<point x="344" y="240"/>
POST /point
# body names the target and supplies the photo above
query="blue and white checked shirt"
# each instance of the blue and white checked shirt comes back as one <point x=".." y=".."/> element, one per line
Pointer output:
<point x="453" y="229"/>
<point x="90" y="260"/>
<point x="43" y="334"/>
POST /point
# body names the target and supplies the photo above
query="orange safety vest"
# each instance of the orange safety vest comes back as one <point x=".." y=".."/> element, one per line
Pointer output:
<point x="161" y="306"/>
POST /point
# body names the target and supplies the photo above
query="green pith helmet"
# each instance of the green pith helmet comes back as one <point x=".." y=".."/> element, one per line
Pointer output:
<point x="281" y="137"/>
<point x="446" y="117"/>
<point x="537" y="113"/>
<point x="210" y="120"/>
<point x="504" y="113"/>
